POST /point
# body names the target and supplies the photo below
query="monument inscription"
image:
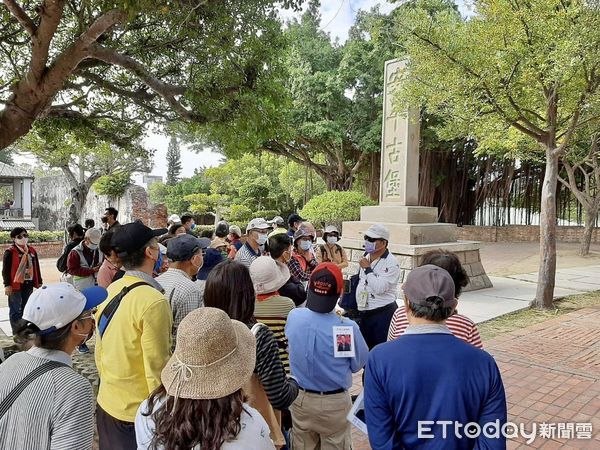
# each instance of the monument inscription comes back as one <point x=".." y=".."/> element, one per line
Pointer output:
<point x="399" y="183"/>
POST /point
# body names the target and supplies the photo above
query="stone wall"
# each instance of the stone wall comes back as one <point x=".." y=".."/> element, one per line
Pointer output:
<point x="520" y="233"/>
<point x="52" y="194"/>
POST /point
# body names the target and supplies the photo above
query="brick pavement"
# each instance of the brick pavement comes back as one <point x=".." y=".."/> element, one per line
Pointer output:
<point x="551" y="373"/>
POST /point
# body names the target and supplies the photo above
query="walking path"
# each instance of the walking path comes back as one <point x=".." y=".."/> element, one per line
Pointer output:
<point x="551" y="373"/>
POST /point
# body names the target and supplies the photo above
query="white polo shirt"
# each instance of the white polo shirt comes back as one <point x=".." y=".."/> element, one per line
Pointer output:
<point x="380" y="282"/>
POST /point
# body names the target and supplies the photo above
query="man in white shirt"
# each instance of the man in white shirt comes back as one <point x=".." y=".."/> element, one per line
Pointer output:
<point x="377" y="287"/>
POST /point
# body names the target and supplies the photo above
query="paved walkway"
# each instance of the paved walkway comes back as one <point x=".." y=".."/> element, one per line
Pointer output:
<point x="551" y="373"/>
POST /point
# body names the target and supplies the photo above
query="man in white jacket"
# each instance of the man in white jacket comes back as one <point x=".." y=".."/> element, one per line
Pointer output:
<point x="377" y="287"/>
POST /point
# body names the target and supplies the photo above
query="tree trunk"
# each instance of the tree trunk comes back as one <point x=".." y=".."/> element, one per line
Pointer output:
<point x="590" y="219"/>
<point x="78" y="199"/>
<point x="547" y="270"/>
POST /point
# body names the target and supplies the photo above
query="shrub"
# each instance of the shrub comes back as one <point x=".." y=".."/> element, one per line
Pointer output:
<point x="35" y="236"/>
<point x="335" y="207"/>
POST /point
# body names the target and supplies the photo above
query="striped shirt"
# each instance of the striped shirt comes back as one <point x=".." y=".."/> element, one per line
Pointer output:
<point x="281" y="390"/>
<point x="56" y="411"/>
<point x="183" y="295"/>
<point x="273" y="312"/>
<point x="246" y="254"/>
<point x="461" y="326"/>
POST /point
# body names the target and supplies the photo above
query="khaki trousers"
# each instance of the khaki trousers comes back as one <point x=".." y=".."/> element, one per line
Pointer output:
<point x="319" y="422"/>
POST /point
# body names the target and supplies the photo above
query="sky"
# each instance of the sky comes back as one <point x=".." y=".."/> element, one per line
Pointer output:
<point x="337" y="16"/>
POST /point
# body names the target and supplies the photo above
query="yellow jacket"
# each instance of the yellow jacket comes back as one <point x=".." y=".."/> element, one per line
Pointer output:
<point x="134" y="349"/>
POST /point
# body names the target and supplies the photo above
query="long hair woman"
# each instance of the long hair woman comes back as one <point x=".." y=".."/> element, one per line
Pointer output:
<point x="230" y="288"/>
<point x="200" y="404"/>
<point x="461" y="326"/>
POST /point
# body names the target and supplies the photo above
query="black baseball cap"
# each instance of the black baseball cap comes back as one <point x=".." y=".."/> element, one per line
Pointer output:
<point x="295" y="218"/>
<point x="324" y="288"/>
<point x="184" y="246"/>
<point x="133" y="236"/>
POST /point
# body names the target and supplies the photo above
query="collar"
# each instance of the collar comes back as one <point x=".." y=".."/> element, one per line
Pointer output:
<point x="262" y="297"/>
<point x="179" y="272"/>
<point x="52" y="355"/>
<point x="385" y="254"/>
<point x="251" y="250"/>
<point x="147" y="278"/>
<point x="428" y="329"/>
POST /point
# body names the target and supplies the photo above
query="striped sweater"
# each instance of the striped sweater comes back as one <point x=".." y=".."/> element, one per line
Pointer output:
<point x="281" y="390"/>
<point x="272" y="310"/>
<point x="56" y="411"/>
<point x="461" y="326"/>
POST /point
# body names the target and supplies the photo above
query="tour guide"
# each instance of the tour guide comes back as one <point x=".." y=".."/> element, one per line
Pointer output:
<point x="377" y="287"/>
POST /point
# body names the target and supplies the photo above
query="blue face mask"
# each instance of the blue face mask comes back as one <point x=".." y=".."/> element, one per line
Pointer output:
<point x="159" y="262"/>
<point x="193" y="226"/>
<point x="370" y="247"/>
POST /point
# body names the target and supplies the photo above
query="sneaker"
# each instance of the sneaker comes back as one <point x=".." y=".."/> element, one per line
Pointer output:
<point x="83" y="349"/>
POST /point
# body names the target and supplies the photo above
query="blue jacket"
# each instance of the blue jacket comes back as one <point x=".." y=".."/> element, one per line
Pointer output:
<point x="431" y="377"/>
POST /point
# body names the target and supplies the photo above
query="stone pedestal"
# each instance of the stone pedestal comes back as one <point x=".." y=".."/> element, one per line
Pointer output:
<point x="414" y="230"/>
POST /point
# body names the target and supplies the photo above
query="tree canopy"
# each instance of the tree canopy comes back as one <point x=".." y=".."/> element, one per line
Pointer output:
<point x="112" y="66"/>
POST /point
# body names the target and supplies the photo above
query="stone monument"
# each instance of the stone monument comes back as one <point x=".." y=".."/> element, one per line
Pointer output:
<point x="414" y="230"/>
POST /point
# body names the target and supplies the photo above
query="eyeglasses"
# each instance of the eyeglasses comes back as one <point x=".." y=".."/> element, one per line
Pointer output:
<point x="22" y="235"/>
<point x="91" y="314"/>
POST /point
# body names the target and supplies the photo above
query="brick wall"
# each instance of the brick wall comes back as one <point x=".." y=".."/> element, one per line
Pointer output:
<point x="520" y="233"/>
<point x="43" y="249"/>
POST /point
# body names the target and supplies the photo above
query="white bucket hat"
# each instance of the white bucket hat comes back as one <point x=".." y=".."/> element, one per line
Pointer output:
<point x="268" y="275"/>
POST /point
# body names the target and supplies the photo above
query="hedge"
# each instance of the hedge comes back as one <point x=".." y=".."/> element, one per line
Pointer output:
<point x="335" y="207"/>
<point x="35" y="236"/>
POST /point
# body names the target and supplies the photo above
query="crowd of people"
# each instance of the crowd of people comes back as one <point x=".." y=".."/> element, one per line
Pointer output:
<point x="237" y="341"/>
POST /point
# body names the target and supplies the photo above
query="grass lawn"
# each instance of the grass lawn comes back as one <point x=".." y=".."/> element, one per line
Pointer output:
<point x="527" y="317"/>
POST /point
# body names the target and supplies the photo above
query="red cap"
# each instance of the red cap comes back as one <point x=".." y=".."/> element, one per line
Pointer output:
<point x="324" y="288"/>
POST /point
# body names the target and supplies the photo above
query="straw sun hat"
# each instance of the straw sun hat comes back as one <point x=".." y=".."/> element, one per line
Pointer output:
<point x="214" y="356"/>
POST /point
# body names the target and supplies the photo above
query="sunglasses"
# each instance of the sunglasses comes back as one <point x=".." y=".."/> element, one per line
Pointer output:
<point x="21" y="236"/>
<point x="370" y="239"/>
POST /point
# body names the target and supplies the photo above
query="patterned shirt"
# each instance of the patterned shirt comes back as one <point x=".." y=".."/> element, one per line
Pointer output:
<point x="273" y="312"/>
<point x="182" y="293"/>
<point x="246" y="255"/>
<point x="461" y="326"/>
<point x="300" y="267"/>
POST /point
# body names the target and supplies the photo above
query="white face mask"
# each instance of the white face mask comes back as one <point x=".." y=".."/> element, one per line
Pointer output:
<point x="305" y="245"/>
<point x="89" y="335"/>
<point x="92" y="246"/>
<point x="332" y="239"/>
<point x="22" y="241"/>
<point x="262" y="239"/>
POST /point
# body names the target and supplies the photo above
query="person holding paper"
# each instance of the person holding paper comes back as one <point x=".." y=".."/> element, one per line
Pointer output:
<point x="325" y="350"/>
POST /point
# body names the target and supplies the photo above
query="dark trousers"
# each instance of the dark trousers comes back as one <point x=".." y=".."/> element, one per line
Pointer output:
<point x="17" y="301"/>
<point x="375" y="324"/>
<point x="114" y="434"/>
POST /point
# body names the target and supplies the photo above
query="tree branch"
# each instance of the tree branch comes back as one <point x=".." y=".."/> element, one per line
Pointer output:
<point x="18" y="12"/>
<point x="167" y="91"/>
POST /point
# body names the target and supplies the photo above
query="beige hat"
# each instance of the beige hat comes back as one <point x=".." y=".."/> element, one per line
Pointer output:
<point x="214" y="356"/>
<point x="94" y="235"/>
<point x="268" y="275"/>
<point x="218" y="242"/>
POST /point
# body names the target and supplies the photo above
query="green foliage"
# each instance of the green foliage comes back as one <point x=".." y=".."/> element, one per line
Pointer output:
<point x="323" y="105"/>
<point x="113" y="185"/>
<point x="173" y="162"/>
<point x="34" y="236"/>
<point x="174" y="197"/>
<point x="334" y="207"/>
<point x="522" y="66"/>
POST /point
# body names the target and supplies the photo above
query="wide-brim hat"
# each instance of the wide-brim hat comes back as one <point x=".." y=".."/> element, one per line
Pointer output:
<point x="214" y="356"/>
<point x="268" y="275"/>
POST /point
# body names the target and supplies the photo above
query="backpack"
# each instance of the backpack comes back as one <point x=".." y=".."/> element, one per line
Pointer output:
<point x="61" y="263"/>
<point x="324" y="256"/>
